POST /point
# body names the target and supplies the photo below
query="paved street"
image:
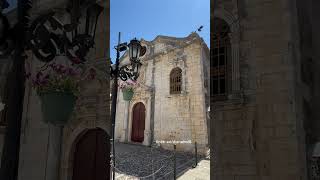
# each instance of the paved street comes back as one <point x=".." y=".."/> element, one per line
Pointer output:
<point x="135" y="162"/>
<point x="201" y="172"/>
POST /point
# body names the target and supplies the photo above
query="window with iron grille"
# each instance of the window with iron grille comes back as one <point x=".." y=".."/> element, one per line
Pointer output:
<point x="219" y="63"/>
<point x="175" y="81"/>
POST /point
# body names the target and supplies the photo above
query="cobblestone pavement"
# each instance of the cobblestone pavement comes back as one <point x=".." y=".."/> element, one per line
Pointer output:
<point x="137" y="162"/>
<point x="201" y="172"/>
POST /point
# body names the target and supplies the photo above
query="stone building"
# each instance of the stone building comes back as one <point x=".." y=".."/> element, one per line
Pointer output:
<point x="170" y="100"/>
<point x="265" y="117"/>
<point x="90" y="120"/>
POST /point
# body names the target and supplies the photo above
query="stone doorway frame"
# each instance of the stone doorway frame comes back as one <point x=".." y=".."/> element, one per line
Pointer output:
<point x="132" y="116"/>
<point x="68" y="148"/>
<point x="147" y="133"/>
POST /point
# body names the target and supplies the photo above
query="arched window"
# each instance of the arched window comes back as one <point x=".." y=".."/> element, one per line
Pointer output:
<point x="175" y="81"/>
<point x="220" y="61"/>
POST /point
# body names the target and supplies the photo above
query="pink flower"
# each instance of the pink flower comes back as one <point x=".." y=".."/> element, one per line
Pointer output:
<point x="60" y="77"/>
<point x="127" y="84"/>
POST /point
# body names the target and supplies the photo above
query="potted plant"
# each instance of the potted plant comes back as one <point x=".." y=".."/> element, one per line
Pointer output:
<point x="127" y="89"/>
<point x="58" y="88"/>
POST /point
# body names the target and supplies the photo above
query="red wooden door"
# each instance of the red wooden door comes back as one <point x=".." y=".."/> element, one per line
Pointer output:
<point x="92" y="156"/>
<point x="138" y="120"/>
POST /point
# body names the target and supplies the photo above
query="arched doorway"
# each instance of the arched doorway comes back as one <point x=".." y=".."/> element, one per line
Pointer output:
<point x="92" y="156"/>
<point x="138" y="120"/>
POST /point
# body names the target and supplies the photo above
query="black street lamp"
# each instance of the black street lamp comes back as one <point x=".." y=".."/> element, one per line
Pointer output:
<point x="134" y="50"/>
<point x="46" y="37"/>
<point x="125" y="72"/>
<point x="93" y="13"/>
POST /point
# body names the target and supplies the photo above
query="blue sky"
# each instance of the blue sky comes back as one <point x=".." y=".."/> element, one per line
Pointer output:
<point x="12" y="5"/>
<point x="148" y="18"/>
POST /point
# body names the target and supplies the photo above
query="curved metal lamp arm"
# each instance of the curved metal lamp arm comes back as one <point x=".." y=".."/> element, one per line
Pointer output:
<point x="126" y="72"/>
<point x="129" y="72"/>
<point x="44" y="39"/>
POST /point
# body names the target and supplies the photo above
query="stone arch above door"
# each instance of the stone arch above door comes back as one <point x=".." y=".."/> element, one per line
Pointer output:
<point x="68" y="148"/>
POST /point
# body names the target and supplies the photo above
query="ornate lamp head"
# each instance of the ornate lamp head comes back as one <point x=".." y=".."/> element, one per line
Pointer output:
<point x="134" y="50"/>
<point x="92" y="17"/>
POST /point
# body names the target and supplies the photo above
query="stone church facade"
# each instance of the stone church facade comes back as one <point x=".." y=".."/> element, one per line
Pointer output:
<point x="265" y="117"/>
<point x="173" y="92"/>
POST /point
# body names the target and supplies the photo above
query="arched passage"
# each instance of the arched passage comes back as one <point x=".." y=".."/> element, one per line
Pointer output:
<point x="92" y="156"/>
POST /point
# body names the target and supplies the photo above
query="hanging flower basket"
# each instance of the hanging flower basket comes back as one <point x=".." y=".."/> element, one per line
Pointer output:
<point x="58" y="86"/>
<point x="127" y="94"/>
<point x="57" y="107"/>
<point x="127" y="89"/>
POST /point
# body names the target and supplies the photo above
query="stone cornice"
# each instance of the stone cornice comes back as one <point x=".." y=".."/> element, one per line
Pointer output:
<point x="161" y="38"/>
<point x="177" y="43"/>
<point x="166" y="52"/>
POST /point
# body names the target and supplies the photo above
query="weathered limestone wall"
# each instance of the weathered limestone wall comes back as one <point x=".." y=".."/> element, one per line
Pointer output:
<point x="120" y="117"/>
<point x="256" y="138"/>
<point x="180" y="117"/>
<point x="205" y="74"/>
